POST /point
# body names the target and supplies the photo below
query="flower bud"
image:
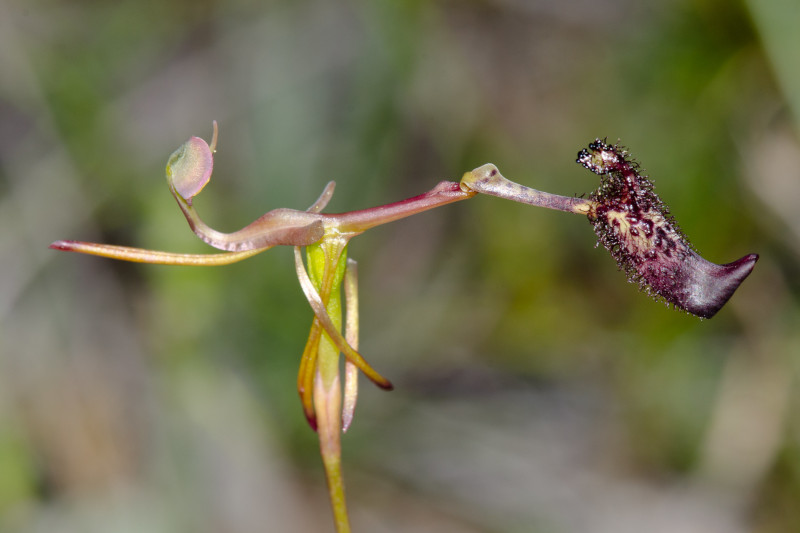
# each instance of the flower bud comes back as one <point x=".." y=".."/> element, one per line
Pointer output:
<point x="635" y="226"/>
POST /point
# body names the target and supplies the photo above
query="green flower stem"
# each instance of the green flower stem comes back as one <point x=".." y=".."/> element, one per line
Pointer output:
<point x="327" y="262"/>
<point x="328" y="403"/>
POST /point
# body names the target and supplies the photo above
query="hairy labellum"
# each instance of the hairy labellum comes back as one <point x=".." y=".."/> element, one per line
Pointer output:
<point x="635" y="226"/>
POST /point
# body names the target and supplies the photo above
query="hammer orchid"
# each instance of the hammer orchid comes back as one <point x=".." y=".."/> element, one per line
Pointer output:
<point x="631" y="222"/>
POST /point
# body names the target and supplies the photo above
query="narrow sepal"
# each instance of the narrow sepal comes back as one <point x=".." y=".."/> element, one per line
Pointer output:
<point x="153" y="257"/>
<point x="306" y="373"/>
<point x="351" y="336"/>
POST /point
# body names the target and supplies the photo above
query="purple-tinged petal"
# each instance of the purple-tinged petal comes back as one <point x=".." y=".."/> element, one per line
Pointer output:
<point x="635" y="226"/>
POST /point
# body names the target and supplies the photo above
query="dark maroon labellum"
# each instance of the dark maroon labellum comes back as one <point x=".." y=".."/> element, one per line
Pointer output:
<point x="635" y="226"/>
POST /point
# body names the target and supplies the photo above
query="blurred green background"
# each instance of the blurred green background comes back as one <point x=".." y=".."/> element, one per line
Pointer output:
<point x="536" y="390"/>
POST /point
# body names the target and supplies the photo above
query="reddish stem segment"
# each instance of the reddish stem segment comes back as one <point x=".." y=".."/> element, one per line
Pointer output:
<point x="446" y="192"/>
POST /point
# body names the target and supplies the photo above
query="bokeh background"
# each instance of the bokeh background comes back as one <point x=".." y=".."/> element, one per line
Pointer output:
<point x="536" y="390"/>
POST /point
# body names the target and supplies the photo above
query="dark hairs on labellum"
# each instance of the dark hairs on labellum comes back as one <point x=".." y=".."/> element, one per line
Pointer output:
<point x="635" y="226"/>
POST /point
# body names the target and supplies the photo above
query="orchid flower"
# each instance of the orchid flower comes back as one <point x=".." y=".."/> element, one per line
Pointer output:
<point x="631" y="222"/>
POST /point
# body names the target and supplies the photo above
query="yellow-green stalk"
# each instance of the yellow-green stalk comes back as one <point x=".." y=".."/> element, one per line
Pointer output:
<point x="327" y="261"/>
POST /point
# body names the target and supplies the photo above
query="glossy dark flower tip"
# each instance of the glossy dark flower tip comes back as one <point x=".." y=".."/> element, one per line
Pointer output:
<point x="709" y="286"/>
<point x="635" y="226"/>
